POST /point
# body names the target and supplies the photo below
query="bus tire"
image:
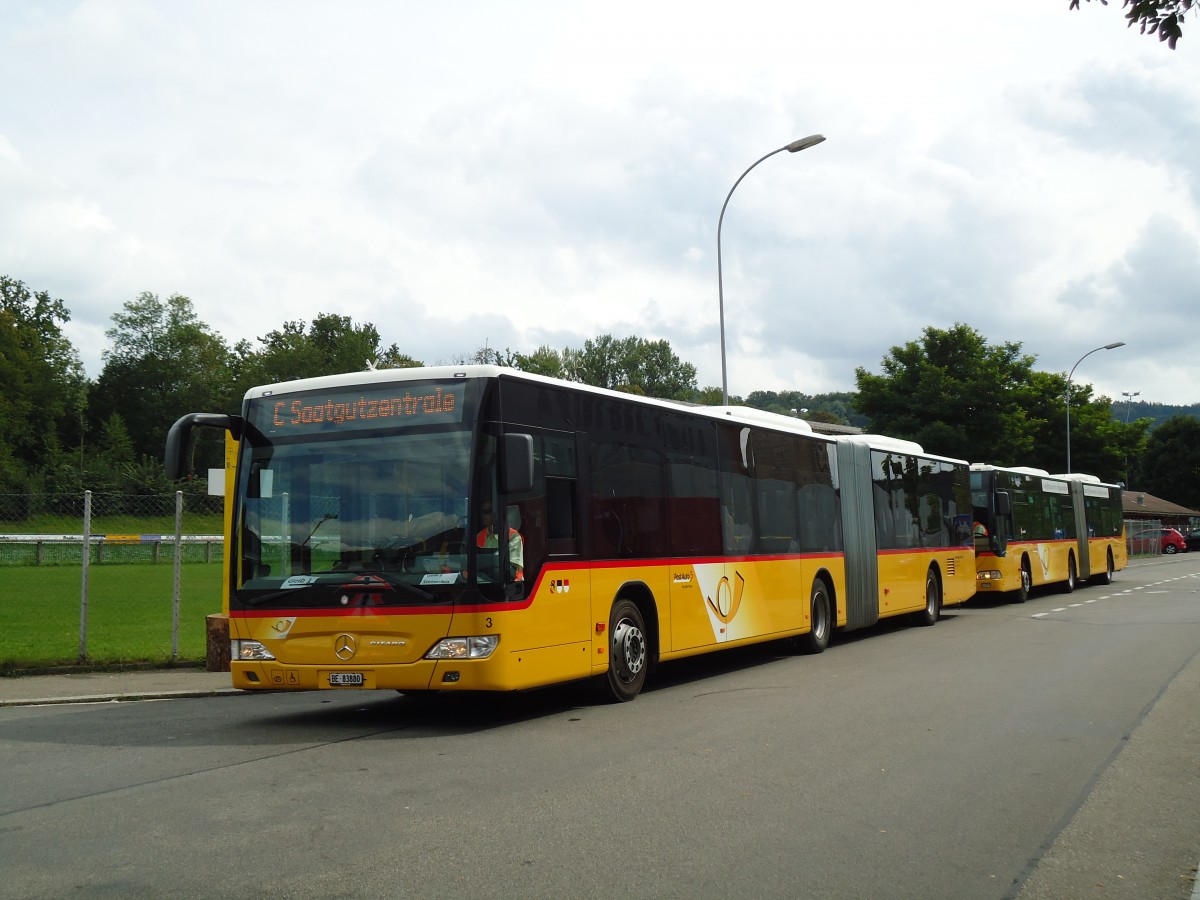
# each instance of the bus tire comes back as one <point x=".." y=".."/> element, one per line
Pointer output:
<point x="820" y="620"/>
<point x="1068" y="586"/>
<point x="1022" y="592"/>
<point x="1106" y="577"/>
<point x="933" y="600"/>
<point x="628" y="651"/>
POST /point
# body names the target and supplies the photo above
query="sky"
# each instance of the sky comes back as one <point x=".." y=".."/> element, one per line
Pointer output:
<point x="520" y="174"/>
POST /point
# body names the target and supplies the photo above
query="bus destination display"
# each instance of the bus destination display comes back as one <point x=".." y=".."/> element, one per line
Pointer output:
<point x="387" y="406"/>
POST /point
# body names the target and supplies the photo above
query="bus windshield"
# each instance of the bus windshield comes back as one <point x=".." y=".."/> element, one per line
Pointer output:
<point x="381" y="515"/>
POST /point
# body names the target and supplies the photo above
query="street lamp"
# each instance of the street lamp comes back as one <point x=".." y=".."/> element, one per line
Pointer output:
<point x="1112" y="346"/>
<point x="794" y="147"/>
<point x="1129" y="399"/>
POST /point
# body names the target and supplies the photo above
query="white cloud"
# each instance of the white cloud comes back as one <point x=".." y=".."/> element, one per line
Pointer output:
<point x="537" y="172"/>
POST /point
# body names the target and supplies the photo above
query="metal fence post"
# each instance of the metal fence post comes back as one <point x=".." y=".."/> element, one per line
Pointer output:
<point x="83" y="590"/>
<point x="175" y="589"/>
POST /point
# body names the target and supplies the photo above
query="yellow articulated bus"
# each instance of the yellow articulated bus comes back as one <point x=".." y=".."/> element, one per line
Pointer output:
<point x="480" y="528"/>
<point x="1033" y="528"/>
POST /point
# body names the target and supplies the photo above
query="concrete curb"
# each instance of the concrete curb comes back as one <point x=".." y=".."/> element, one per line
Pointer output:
<point x="119" y="697"/>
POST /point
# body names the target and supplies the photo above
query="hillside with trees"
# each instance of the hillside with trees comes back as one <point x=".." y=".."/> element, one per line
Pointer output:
<point x="949" y="390"/>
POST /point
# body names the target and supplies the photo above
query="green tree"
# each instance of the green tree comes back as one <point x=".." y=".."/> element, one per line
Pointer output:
<point x="953" y="394"/>
<point x="712" y="396"/>
<point x="832" y="408"/>
<point x="330" y="345"/>
<point x="112" y="466"/>
<point x="1101" y="444"/>
<point x="1098" y="440"/>
<point x="42" y="386"/>
<point x="162" y="362"/>
<point x="1161" y="17"/>
<point x="1171" y="463"/>
<point x="543" y="361"/>
<point x="631" y="364"/>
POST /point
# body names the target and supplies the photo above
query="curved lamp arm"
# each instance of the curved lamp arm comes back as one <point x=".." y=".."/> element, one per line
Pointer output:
<point x="1112" y="346"/>
<point x="794" y="147"/>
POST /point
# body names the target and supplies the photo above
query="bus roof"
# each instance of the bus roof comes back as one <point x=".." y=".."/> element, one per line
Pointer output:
<point x="1020" y="470"/>
<point x="741" y="414"/>
<point x="1042" y="473"/>
<point x="896" y="445"/>
<point x="760" y="416"/>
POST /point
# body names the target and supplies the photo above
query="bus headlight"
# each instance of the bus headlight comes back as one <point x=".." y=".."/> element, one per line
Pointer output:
<point x="990" y="575"/>
<point x="474" y="647"/>
<point x="249" y="650"/>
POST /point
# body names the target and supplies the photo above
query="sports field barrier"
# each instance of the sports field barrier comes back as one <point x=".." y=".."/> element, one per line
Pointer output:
<point x="111" y="529"/>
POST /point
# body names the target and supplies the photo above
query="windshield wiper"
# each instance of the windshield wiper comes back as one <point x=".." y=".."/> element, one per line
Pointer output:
<point x="361" y="583"/>
<point x="274" y="595"/>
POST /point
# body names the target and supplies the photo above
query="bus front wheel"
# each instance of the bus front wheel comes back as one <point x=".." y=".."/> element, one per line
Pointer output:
<point x="628" y="654"/>
<point x="1026" y="582"/>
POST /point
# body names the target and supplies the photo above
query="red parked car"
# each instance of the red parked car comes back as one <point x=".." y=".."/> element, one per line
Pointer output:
<point x="1152" y="540"/>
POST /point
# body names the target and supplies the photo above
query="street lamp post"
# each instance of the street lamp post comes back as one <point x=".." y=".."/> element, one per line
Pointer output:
<point x="1129" y="399"/>
<point x="1128" y="395"/>
<point x="1112" y="346"/>
<point x="794" y="147"/>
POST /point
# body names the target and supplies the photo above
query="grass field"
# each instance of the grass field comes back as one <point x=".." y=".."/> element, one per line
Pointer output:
<point x="128" y="616"/>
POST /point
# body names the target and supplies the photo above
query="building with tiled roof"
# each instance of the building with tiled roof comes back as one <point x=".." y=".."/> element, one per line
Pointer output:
<point x="1140" y="505"/>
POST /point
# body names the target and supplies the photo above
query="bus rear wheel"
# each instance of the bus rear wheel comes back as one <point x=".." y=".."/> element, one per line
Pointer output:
<point x="1068" y="586"/>
<point x="820" y="620"/>
<point x="628" y="654"/>
<point x="933" y="600"/>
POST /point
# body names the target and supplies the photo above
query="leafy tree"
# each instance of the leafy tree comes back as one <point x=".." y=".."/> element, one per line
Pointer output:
<point x="543" y="361"/>
<point x="632" y="364"/>
<point x="1171" y="463"/>
<point x="42" y="386"/>
<point x="486" y="356"/>
<point x="785" y="403"/>
<point x="953" y="394"/>
<point x="331" y="345"/>
<point x="957" y="396"/>
<point x="1101" y="444"/>
<point x="163" y="362"/>
<point x="1098" y="440"/>
<point x="712" y="396"/>
<point x="833" y="408"/>
<point x="1162" y="17"/>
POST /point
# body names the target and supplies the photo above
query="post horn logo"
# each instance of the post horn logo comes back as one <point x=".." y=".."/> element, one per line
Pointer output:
<point x="728" y="598"/>
<point x="344" y="647"/>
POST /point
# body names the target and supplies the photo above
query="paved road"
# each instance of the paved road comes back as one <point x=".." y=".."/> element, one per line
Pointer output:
<point x="1050" y="748"/>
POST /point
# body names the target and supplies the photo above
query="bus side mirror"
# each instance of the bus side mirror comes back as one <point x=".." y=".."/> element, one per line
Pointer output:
<point x="178" y="438"/>
<point x="1003" y="504"/>
<point x="517" y="474"/>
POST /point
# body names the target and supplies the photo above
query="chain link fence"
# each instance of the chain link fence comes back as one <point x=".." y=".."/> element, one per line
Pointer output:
<point x="48" y="529"/>
<point x="136" y="549"/>
<point x="1144" y="537"/>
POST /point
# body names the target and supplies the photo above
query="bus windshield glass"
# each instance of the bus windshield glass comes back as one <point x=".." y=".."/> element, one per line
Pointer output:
<point x="349" y="513"/>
